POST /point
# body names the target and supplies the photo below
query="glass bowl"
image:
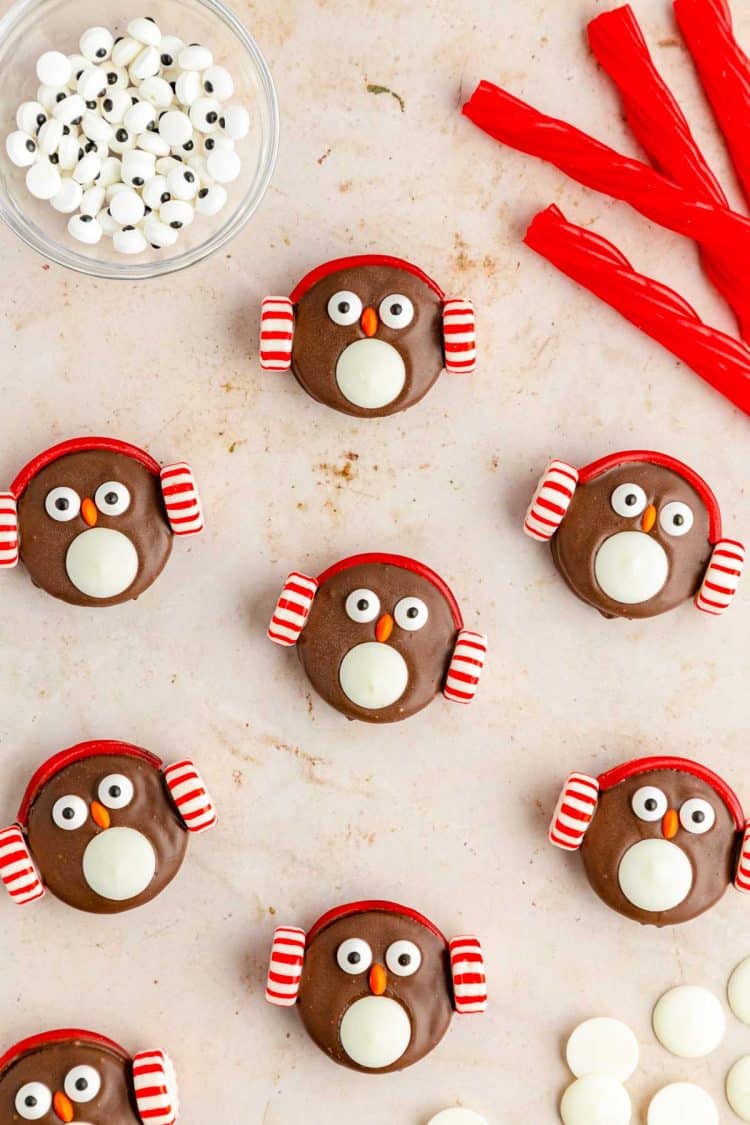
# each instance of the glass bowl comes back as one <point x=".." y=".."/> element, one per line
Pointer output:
<point x="31" y="27"/>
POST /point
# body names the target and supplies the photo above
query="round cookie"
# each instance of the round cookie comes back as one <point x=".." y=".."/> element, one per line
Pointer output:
<point x="659" y="837"/>
<point x="93" y="520"/>
<point x="104" y="827"/>
<point x="367" y="335"/>
<point x="379" y="636"/>
<point x="376" y="983"/>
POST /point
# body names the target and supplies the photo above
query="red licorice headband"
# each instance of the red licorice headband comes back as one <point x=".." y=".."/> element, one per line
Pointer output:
<point x="639" y="766"/>
<point x="80" y="445"/>
<point x="34" y="1042"/>
<point x="405" y="564"/>
<point x="339" y="264"/>
<point x="378" y="906"/>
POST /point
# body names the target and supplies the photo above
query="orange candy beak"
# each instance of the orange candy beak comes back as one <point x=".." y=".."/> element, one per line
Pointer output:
<point x="89" y="512"/>
<point x="63" y="1107"/>
<point x="100" y="815"/>
<point x="384" y="628"/>
<point x="369" y="322"/>
<point x="670" y="824"/>
<point x="378" y="980"/>
<point x="649" y="518"/>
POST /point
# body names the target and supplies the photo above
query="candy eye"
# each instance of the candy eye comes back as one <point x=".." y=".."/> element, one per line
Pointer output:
<point x="112" y="498"/>
<point x="411" y="614"/>
<point x="96" y="44"/>
<point x="676" y="518"/>
<point x="62" y="504"/>
<point x="403" y="958"/>
<point x="354" y="956"/>
<point x="345" y="308"/>
<point x="33" y="1101"/>
<point x="649" y="803"/>
<point x="116" y="791"/>
<point x="362" y="606"/>
<point x="629" y="500"/>
<point x="697" y="816"/>
<point x="396" y="311"/>
<point x="82" y="1084"/>
<point x="70" y="813"/>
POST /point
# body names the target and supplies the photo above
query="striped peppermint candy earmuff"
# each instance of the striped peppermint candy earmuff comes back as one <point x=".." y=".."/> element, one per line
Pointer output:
<point x="574" y="812"/>
<point x="155" y="1087"/>
<point x="466" y="666"/>
<point x="292" y="609"/>
<point x="18" y="871"/>
<point x="551" y="500"/>
<point x="276" y="333"/>
<point x="181" y="499"/>
<point x="468" y="975"/>
<point x="8" y="530"/>
<point x="191" y="798"/>
<point x="285" y="966"/>
<point x="722" y="577"/>
<point x="459" y="336"/>
<point x="742" y="870"/>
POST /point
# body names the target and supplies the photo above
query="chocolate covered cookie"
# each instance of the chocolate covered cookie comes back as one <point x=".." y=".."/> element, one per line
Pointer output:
<point x="376" y="984"/>
<point x="367" y="335"/>
<point x="104" y="827"/>
<point x="379" y="636"/>
<point x="93" y="520"/>
<point x="635" y="534"/>
<point x="661" y="838"/>
<point x="81" y="1077"/>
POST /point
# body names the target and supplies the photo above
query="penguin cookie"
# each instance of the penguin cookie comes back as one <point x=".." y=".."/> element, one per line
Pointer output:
<point x="661" y="838"/>
<point x="104" y="827"/>
<point x="93" y="520"/>
<point x="635" y="534"/>
<point x="367" y="335"/>
<point x="376" y="984"/>
<point x="379" y="636"/>
<point x="82" y="1078"/>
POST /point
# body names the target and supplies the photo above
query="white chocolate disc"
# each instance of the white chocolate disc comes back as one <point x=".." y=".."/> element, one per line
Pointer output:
<point x="689" y="1022"/>
<point x="655" y="875"/>
<point x="738" y="991"/>
<point x="101" y="562"/>
<point x="603" y="1046"/>
<point x="375" y="1032"/>
<point x="373" y="675"/>
<point x="457" y="1116"/>
<point x="682" y="1103"/>
<point x="631" y="567"/>
<point x="596" y="1099"/>
<point x="738" y="1088"/>
<point x="119" y="864"/>
<point x="370" y="373"/>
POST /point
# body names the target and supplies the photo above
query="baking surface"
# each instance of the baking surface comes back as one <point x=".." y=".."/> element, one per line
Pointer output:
<point x="446" y="812"/>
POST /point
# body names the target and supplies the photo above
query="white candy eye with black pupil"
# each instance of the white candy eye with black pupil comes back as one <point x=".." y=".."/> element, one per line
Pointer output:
<point x="629" y="500"/>
<point x="697" y="816"/>
<point x="362" y="606"/>
<point x="33" y="1101"/>
<point x="676" y="518"/>
<point x="82" y="1083"/>
<point x="649" y="803"/>
<point x="411" y="614"/>
<point x="115" y="791"/>
<point x="396" y="311"/>
<point x="70" y="813"/>
<point x="345" y="308"/>
<point x="62" y="504"/>
<point x="354" y="956"/>
<point x="403" y="958"/>
<point x="112" y="498"/>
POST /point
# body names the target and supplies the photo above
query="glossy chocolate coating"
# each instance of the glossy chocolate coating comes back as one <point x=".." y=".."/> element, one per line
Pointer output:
<point x="319" y="342"/>
<point x="58" y="853"/>
<point x="326" y="991"/>
<point x="591" y="520"/>
<point x="615" y="828"/>
<point x="50" y="1063"/>
<point x="330" y="634"/>
<point x="45" y="541"/>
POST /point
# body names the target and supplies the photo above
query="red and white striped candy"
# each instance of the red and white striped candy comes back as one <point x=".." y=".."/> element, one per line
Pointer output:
<point x="155" y="1086"/>
<point x="190" y="795"/>
<point x="467" y="971"/>
<point x="292" y="609"/>
<point x="722" y="577"/>
<point x="466" y="666"/>
<point x="276" y="333"/>
<point x="17" y="871"/>
<point x="459" y="336"/>
<point x="285" y="966"/>
<point x="8" y="530"/>
<point x="551" y="500"/>
<point x="181" y="499"/>
<point x="742" y="874"/>
<point x="574" y="812"/>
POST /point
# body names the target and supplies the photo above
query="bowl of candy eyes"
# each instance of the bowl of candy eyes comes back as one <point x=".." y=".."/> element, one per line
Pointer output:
<point x="134" y="145"/>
